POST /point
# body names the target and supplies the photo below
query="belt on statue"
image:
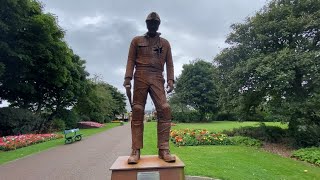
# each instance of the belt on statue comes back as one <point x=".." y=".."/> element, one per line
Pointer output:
<point x="149" y="69"/>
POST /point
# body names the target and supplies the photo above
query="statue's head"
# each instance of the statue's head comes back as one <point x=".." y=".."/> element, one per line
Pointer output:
<point x="153" y="22"/>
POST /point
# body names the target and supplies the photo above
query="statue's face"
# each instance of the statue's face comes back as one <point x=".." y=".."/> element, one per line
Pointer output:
<point x="152" y="26"/>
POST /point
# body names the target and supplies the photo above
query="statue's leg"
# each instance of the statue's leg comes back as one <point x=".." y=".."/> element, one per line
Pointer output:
<point x="139" y="100"/>
<point x="163" y="125"/>
<point x="140" y="93"/>
<point x="158" y="96"/>
<point x="137" y="126"/>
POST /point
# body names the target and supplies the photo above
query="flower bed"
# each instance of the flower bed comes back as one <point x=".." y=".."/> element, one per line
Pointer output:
<point x="89" y="124"/>
<point x="195" y="137"/>
<point x="8" y="143"/>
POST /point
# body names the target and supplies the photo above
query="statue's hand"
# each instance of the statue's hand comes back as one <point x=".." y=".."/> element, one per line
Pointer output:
<point x="127" y="83"/>
<point x="170" y="86"/>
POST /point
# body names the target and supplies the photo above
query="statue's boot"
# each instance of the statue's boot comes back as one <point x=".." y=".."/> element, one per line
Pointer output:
<point x="137" y="127"/>
<point x="166" y="156"/>
<point x="134" y="157"/>
<point x="163" y="141"/>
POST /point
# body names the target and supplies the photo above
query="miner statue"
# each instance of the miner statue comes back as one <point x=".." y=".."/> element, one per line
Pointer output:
<point x="148" y="54"/>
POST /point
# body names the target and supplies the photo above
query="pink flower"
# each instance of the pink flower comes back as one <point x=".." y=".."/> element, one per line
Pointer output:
<point x="13" y="142"/>
<point x="89" y="124"/>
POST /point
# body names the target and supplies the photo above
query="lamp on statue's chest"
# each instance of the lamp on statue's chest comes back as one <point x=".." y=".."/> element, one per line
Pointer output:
<point x="157" y="50"/>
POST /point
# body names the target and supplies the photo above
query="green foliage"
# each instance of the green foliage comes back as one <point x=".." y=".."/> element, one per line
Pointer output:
<point x="2" y="68"/>
<point x="69" y="117"/>
<point x="101" y="102"/>
<point x="273" y="65"/>
<point x="245" y="141"/>
<point x="84" y="118"/>
<point x="311" y="155"/>
<point x="151" y="118"/>
<point x="195" y="88"/>
<point x="225" y="116"/>
<point x="306" y="135"/>
<point x="119" y="106"/>
<point x="97" y="117"/>
<point x="58" y="125"/>
<point x="190" y="116"/>
<point x="41" y="72"/>
<point x="14" y="121"/>
<point x="262" y="132"/>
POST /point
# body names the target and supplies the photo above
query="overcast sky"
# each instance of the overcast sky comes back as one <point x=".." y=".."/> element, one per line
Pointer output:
<point x="100" y="31"/>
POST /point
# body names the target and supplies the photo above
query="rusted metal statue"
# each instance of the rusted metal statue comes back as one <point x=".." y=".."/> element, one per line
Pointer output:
<point x="147" y="55"/>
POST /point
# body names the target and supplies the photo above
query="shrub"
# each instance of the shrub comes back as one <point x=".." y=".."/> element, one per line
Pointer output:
<point x="84" y="118"/>
<point x="14" y="121"/>
<point x="225" y="116"/>
<point x="69" y="117"/>
<point x="97" y="117"/>
<point x="108" y="119"/>
<point x="151" y="118"/>
<point x="58" y="125"/>
<point x="262" y="132"/>
<point x="306" y="135"/>
<point x="186" y="117"/>
<point x="245" y="141"/>
<point x="311" y="155"/>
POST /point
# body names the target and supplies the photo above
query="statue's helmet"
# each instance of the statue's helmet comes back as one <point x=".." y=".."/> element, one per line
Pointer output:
<point x="153" y="16"/>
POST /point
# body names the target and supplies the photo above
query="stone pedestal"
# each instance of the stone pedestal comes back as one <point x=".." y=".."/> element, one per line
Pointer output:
<point x="150" y="167"/>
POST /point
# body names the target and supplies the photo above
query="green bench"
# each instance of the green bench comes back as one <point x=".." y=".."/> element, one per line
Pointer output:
<point x="72" y="135"/>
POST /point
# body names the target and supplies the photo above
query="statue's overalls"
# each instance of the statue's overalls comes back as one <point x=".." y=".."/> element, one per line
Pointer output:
<point x="148" y="56"/>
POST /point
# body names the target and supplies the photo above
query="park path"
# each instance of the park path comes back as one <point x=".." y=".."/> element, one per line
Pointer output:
<point x="88" y="159"/>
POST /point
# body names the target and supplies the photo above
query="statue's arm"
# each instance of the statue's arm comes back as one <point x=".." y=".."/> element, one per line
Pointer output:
<point x="131" y="60"/>
<point x="169" y="65"/>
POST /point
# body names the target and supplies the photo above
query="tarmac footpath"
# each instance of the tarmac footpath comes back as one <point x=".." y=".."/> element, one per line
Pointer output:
<point x="88" y="159"/>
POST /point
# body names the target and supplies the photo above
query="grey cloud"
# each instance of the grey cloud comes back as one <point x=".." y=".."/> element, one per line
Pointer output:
<point x="104" y="47"/>
<point x="101" y="31"/>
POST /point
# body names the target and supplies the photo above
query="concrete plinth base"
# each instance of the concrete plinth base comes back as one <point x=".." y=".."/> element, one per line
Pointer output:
<point x="148" y="168"/>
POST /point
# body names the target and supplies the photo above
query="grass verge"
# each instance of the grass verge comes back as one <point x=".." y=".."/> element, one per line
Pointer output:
<point x="7" y="156"/>
<point x="231" y="162"/>
<point x="219" y="126"/>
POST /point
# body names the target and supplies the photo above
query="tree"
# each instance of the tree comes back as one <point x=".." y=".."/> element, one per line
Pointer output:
<point x="176" y="104"/>
<point x="195" y="87"/>
<point x="14" y="20"/>
<point x="274" y="61"/>
<point x="14" y="121"/>
<point x="119" y="98"/>
<point x="1" y="69"/>
<point x="41" y="72"/>
<point x="75" y="86"/>
<point x="101" y="102"/>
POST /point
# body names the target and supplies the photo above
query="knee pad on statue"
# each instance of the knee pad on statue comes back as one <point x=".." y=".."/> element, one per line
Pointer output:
<point x="165" y="113"/>
<point x="137" y="112"/>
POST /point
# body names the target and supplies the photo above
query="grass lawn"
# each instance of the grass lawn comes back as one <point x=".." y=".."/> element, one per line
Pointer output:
<point x="218" y="126"/>
<point x="231" y="162"/>
<point x="6" y="156"/>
